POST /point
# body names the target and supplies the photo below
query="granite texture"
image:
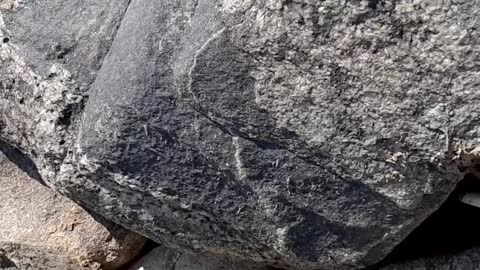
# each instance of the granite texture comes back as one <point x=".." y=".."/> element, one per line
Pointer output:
<point x="40" y="229"/>
<point x="304" y="134"/>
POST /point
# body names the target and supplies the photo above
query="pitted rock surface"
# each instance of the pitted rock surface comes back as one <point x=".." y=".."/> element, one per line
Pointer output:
<point x="304" y="134"/>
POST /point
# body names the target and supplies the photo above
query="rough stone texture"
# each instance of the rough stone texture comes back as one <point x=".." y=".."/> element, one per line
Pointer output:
<point x="466" y="260"/>
<point x="24" y="257"/>
<point x="308" y="134"/>
<point x="164" y="258"/>
<point x="50" y="54"/>
<point x="47" y="231"/>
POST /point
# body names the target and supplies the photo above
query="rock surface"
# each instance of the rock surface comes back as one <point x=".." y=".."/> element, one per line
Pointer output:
<point x="24" y="257"/>
<point x="466" y="260"/>
<point x="40" y="229"/>
<point x="164" y="258"/>
<point x="5" y="262"/>
<point x="307" y="134"/>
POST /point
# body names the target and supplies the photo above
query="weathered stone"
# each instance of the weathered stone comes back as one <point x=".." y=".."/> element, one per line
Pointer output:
<point x="47" y="231"/>
<point x="466" y="260"/>
<point x="307" y="134"/>
<point x="164" y="258"/>
<point x="49" y="56"/>
<point x="35" y="258"/>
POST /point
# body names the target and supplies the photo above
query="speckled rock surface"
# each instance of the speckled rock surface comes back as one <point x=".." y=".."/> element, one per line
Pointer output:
<point x="25" y="257"/>
<point x="306" y="134"/>
<point x="52" y="232"/>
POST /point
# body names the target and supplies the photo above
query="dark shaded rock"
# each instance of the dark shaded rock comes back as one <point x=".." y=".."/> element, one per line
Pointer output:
<point x="165" y="258"/>
<point x="5" y="262"/>
<point x="466" y="260"/>
<point x="306" y="134"/>
<point x="445" y="238"/>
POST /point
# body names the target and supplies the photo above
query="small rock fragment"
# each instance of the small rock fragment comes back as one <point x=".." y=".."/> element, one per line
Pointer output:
<point x="471" y="198"/>
<point x="52" y="232"/>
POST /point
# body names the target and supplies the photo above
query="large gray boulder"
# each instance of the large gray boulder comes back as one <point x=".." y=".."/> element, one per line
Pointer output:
<point x="304" y="134"/>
